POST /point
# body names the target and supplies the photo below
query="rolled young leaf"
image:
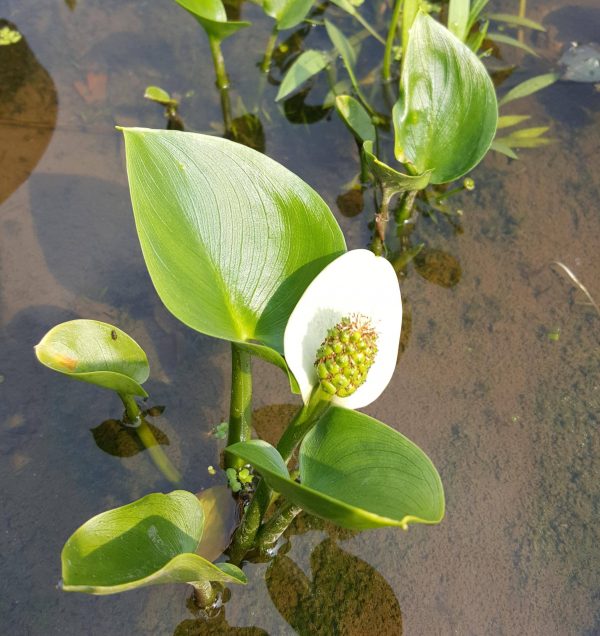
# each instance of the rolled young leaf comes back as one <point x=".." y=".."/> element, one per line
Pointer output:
<point x="354" y="471"/>
<point x="150" y="541"/>
<point x="446" y="118"/>
<point x="230" y="237"/>
<point x="95" y="352"/>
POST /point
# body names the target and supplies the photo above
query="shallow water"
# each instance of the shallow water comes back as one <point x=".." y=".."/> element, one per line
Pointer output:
<point x="499" y="379"/>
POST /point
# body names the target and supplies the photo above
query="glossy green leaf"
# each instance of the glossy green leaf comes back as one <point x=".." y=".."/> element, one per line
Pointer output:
<point x="392" y="179"/>
<point x="528" y="87"/>
<point x="349" y="6"/>
<point x="507" y="39"/>
<point x="150" y="541"/>
<point x="516" y="20"/>
<point x="458" y="18"/>
<point x="308" y="64"/>
<point x="410" y="11"/>
<point x="447" y="117"/>
<point x="356" y="472"/>
<point x="230" y="237"/>
<point x="287" y="13"/>
<point x="355" y="117"/>
<point x="348" y="54"/>
<point x="97" y="353"/>
<point x="212" y="17"/>
<point x="159" y="95"/>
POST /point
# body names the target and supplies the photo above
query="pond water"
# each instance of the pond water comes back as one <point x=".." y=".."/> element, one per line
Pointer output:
<point x="498" y="381"/>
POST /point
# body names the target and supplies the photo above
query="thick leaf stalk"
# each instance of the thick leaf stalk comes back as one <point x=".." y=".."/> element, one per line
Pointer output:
<point x="240" y="411"/>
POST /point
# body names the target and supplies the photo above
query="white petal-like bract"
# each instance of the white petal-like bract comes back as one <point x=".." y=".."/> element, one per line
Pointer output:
<point x="356" y="283"/>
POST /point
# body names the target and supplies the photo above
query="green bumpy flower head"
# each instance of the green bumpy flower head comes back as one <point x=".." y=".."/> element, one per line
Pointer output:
<point x="346" y="355"/>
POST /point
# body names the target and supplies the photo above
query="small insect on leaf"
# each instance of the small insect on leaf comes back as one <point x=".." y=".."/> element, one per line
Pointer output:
<point x="113" y="334"/>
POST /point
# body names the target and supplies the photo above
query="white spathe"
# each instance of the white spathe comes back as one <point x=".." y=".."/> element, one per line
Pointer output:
<point x="356" y="283"/>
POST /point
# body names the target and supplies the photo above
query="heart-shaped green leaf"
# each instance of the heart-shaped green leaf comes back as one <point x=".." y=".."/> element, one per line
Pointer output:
<point x="287" y="13"/>
<point x="97" y="353"/>
<point x="212" y="17"/>
<point x="230" y="237"/>
<point x="150" y="541"/>
<point x="356" y="472"/>
<point x="446" y="119"/>
<point x="391" y="179"/>
<point x="356" y="118"/>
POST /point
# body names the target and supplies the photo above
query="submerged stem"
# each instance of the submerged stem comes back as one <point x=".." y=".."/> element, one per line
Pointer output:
<point x="204" y="593"/>
<point x="276" y="526"/>
<point x="222" y="81"/>
<point x="303" y="421"/>
<point x="271" y="42"/>
<point x="144" y="432"/>
<point x="240" y="410"/>
<point x="389" y="43"/>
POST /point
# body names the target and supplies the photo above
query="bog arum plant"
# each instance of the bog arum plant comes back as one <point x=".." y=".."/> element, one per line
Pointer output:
<point x="241" y="249"/>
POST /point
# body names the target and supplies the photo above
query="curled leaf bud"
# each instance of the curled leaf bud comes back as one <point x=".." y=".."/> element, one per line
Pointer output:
<point x="346" y="355"/>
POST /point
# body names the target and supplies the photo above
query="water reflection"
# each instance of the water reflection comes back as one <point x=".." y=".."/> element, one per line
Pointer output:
<point x="217" y="626"/>
<point x="114" y="438"/>
<point x="345" y="596"/>
<point x="28" y="111"/>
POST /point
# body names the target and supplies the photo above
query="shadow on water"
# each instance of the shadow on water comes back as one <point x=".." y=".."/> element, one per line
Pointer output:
<point x="345" y="596"/>
<point x="28" y="109"/>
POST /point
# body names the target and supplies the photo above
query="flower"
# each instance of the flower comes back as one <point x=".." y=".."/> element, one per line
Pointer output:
<point x="357" y="292"/>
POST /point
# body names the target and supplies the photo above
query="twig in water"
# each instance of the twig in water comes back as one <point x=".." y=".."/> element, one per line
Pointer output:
<point x="578" y="284"/>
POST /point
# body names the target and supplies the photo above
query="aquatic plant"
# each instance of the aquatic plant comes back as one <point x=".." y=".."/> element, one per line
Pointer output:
<point x="280" y="285"/>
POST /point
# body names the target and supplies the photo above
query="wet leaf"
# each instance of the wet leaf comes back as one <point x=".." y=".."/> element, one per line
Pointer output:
<point x="507" y="39"/>
<point x="528" y="87"/>
<point x="356" y="118"/>
<point x="308" y="64"/>
<point x="516" y="20"/>
<point x="348" y="54"/>
<point x="354" y="471"/>
<point x="287" y="13"/>
<point x="349" y="6"/>
<point x="212" y="17"/>
<point x="95" y="352"/>
<point x="159" y="95"/>
<point x="230" y="237"/>
<point x="150" y="541"/>
<point x="446" y="119"/>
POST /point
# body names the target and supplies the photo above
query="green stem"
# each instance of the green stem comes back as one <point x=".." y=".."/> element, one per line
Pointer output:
<point x="381" y="221"/>
<point x="158" y="456"/>
<point x="222" y="81"/>
<point x="272" y="41"/>
<point x="240" y="410"/>
<point x="405" y="212"/>
<point x="276" y="526"/>
<point x="304" y="420"/>
<point x="389" y="43"/>
<point x="204" y="593"/>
